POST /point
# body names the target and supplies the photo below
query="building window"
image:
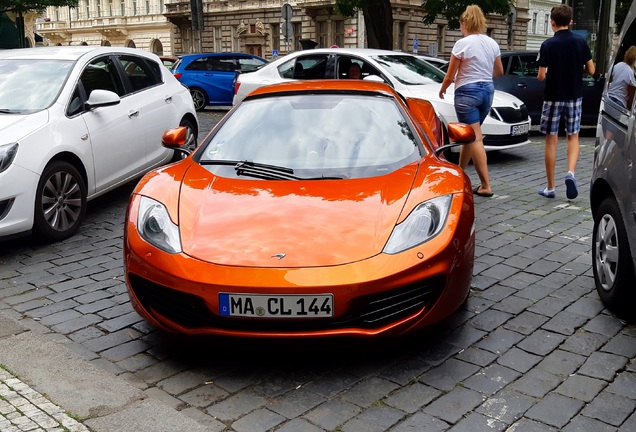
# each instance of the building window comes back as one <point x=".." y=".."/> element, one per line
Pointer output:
<point x="235" y="40"/>
<point x="535" y="16"/>
<point x="134" y="7"/>
<point x="218" y="47"/>
<point x="338" y="33"/>
<point x="147" y="7"/>
<point x="323" y="34"/>
<point x="275" y="36"/>
<point x="298" y="34"/>
<point x="99" y="8"/>
<point x="441" y="38"/>
<point x="546" y="24"/>
<point x="401" y="42"/>
<point x="122" y="8"/>
<point x="87" y="9"/>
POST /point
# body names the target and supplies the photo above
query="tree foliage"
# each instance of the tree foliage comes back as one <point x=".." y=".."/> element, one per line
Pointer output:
<point x="622" y="7"/>
<point x="378" y="20"/>
<point x="21" y="7"/>
<point x="452" y="10"/>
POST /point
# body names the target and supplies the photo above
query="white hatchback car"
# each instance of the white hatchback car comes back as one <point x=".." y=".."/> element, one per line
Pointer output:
<point x="507" y="125"/>
<point x="76" y="122"/>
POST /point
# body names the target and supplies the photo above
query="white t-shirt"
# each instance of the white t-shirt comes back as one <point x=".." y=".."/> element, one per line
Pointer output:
<point x="477" y="53"/>
<point x="622" y="77"/>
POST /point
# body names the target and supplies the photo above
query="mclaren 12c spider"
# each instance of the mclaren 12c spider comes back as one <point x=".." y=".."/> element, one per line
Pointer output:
<point x="312" y="209"/>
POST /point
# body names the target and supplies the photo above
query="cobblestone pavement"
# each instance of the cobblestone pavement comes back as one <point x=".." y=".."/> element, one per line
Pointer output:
<point x="533" y="349"/>
<point x="24" y="409"/>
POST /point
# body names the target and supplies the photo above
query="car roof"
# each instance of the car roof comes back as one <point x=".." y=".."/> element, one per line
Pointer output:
<point x="324" y="85"/>
<point x="518" y="52"/>
<point x="66" y="52"/>
<point x="218" y="54"/>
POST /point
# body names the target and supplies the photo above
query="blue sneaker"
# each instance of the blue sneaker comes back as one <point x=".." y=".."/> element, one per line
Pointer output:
<point x="546" y="193"/>
<point x="571" y="189"/>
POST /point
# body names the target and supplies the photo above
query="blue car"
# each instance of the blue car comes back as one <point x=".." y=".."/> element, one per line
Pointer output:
<point x="210" y="76"/>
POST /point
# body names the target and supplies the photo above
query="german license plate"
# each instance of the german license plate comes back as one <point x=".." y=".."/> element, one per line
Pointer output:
<point x="276" y="306"/>
<point x="520" y="129"/>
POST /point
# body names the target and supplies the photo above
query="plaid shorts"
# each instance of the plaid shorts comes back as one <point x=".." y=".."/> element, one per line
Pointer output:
<point x="551" y="116"/>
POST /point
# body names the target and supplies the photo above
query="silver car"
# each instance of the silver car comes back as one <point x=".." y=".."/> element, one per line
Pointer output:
<point x="613" y="194"/>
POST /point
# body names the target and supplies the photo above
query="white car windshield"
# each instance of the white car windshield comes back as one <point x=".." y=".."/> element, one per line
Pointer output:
<point x="410" y="70"/>
<point x="28" y="85"/>
<point x="342" y="135"/>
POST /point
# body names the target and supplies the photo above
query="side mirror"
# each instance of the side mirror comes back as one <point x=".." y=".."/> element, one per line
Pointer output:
<point x="373" y="78"/>
<point x="458" y="134"/>
<point x="101" y="98"/>
<point x="178" y="139"/>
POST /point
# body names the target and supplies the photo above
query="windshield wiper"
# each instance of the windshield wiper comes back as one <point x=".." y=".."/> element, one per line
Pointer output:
<point x="8" y="111"/>
<point x="265" y="171"/>
<point x="255" y="169"/>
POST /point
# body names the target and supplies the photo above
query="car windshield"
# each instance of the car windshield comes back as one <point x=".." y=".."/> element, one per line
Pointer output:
<point x="410" y="70"/>
<point x="340" y="135"/>
<point x="28" y="85"/>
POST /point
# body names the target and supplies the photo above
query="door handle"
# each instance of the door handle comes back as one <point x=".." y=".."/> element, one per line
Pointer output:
<point x="132" y="114"/>
<point x="521" y="85"/>
<point x="168" y="99"/>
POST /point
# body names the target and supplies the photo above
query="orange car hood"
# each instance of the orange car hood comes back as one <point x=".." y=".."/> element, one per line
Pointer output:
<point x="246" y="222"/>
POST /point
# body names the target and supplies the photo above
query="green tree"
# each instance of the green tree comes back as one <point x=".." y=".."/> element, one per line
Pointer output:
<point x="21" y="7"/>
<point x="452" y="10"/>
<point x="378" y="20"/>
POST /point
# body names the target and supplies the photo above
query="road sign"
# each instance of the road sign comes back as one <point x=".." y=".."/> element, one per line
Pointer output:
<point x="275" y="53"/>
<point x="286" y="11"/>
<point x="416" y="45"/>
<point x="288" y="30"/>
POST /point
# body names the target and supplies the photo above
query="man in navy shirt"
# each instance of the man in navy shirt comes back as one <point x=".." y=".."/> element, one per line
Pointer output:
<point x="562" y="60"/>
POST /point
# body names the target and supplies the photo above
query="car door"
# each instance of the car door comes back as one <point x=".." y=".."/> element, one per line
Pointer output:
<point x="219" y="79"/>
<point x="143" y="82"/>
<point x="520" y="79"/>
<point x="116" y="133"/>
<point x="308" y="67"/>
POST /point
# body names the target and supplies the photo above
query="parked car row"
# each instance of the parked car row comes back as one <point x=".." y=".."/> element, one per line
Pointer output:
<point x="507" y="125"/>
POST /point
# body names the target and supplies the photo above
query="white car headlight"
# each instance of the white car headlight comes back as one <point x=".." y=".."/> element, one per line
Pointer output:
<point x="154" y="226"/>
<point x="424" y="223"/>
<point x="7" y="154"/>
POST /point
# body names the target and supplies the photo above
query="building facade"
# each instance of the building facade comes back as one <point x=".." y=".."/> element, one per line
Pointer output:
<point x="539" y="28"/>
<point x="255" y="26"/>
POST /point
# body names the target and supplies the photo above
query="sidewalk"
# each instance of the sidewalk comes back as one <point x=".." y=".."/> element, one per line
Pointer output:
<point x="24" y="409"/>
<point x="85" y="391"/>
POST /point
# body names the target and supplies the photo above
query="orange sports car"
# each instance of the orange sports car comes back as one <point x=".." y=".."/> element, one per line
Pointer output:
<point x="313" y="209"/>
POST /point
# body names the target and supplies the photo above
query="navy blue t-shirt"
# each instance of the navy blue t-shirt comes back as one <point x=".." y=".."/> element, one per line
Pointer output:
<point x="565" y="55"/>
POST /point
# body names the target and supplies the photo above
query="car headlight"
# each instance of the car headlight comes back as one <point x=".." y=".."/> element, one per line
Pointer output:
<point x="154" y="226"/>
<point x="7" y="154"/>
<point x="424" y="223"/>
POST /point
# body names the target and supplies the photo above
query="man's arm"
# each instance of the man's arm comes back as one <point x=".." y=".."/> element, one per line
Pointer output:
<point x="589" y="67"/>
<point x="542" y="72"/>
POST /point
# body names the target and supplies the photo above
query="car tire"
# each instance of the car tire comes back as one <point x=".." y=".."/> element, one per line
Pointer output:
<point x="60" y="202"/>
<point x="191" y="141"/>
<point x="199" y="97"/>
<point x="612" y="260"/>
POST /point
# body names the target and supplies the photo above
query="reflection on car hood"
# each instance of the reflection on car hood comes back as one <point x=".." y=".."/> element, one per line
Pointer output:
<point x="431" y="93"/>
<point x="242" y="222"/>
<point x="13" y="127"/>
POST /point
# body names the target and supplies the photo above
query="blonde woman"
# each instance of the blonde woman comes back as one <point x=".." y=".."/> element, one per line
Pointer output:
<point x="475" y="60"/>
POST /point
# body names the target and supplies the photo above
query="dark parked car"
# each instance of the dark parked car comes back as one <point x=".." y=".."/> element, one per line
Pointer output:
<point x="210" y="77"/>
<point x="613" y="195"/>
<point x="520" y="79"/>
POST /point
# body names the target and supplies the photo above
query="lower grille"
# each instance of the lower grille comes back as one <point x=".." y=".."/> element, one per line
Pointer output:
<point x="368" y="312"/>
<point x="509" y="114"/>
<point x="504" y="140"/>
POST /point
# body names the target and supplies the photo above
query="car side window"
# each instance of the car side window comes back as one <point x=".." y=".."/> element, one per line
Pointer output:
<point x="197" y="65"/>
<point x="524" y="66"/>
<point x="311" y="67"/>
<point x="221" y="64"/>
<point x="139" y="73"/>
<point x="101" y="74"/>
<point x="249" y="64"/>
